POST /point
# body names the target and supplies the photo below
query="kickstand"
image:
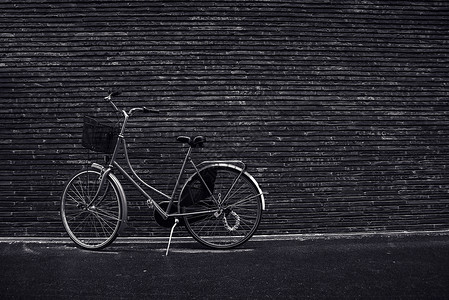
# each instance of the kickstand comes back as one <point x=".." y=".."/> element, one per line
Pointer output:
<point x="171" y="233"/>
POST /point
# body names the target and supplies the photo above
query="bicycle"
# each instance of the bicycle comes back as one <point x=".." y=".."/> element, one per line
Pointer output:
<point x="220" y="204"/>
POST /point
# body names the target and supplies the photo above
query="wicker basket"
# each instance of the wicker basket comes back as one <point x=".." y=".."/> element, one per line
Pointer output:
<point x="98" y="136"/>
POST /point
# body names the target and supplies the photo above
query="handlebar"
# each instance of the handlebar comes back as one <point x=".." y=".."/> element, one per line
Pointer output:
<point x="132" y="110"/>
<point x="112" y="94"/>
<point x="142" y="109"/>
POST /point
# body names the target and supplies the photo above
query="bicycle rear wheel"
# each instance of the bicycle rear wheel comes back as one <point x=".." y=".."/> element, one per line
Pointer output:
<point x="235" y="199"/>
<point x="91" y="225"/>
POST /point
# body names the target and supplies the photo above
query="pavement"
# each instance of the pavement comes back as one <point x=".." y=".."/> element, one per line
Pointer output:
<point x="376" y="266"/>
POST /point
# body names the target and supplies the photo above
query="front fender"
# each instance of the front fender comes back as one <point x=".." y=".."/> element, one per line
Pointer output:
<point x="121" y="192"/>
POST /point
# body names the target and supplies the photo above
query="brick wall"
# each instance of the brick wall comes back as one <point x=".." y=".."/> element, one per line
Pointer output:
<point x="340" y="108"/>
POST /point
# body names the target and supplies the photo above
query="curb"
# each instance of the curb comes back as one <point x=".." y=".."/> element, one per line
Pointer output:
<point x="255" y="238"/>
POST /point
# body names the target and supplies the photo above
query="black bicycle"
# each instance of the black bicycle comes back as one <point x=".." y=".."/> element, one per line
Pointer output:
<point x="220" y="204"/>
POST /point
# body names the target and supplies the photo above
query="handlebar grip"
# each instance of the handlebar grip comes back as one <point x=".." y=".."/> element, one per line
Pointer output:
<point x="150" y="110"/>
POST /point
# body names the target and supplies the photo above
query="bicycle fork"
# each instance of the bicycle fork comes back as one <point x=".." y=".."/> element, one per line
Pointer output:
<point x="103" y="177"/>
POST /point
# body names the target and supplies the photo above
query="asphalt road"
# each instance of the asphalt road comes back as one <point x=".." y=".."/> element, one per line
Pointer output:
<point x="373" y="267"/>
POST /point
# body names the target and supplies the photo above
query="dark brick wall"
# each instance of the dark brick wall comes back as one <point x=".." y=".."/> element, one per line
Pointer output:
<point x="340" y="108"/>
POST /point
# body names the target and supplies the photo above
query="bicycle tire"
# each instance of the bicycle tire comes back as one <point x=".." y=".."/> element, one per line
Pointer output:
<point x="96" y="226"/>
<point x="235" y="219"/>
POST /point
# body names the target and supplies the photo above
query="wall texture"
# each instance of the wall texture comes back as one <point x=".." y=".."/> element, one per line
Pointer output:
<point x="340" y="108"/>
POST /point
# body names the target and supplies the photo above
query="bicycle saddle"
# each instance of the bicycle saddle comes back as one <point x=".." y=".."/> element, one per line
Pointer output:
<point x="197" y="141"/>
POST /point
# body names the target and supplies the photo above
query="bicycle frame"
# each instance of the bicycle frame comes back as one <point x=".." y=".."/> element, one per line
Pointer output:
<point x="164" y="213"/>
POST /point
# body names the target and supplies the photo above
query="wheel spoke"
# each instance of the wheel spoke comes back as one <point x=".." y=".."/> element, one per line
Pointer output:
<point x="245" y="200"/>
<point x="105" y="215"/>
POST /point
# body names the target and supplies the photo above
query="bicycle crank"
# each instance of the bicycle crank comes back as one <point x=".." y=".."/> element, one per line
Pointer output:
<point x="167" y="223"/>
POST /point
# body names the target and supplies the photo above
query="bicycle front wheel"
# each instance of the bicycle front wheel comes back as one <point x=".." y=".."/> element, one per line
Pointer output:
<point x="233" y="197"/>
<point x="91" y="224"/>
